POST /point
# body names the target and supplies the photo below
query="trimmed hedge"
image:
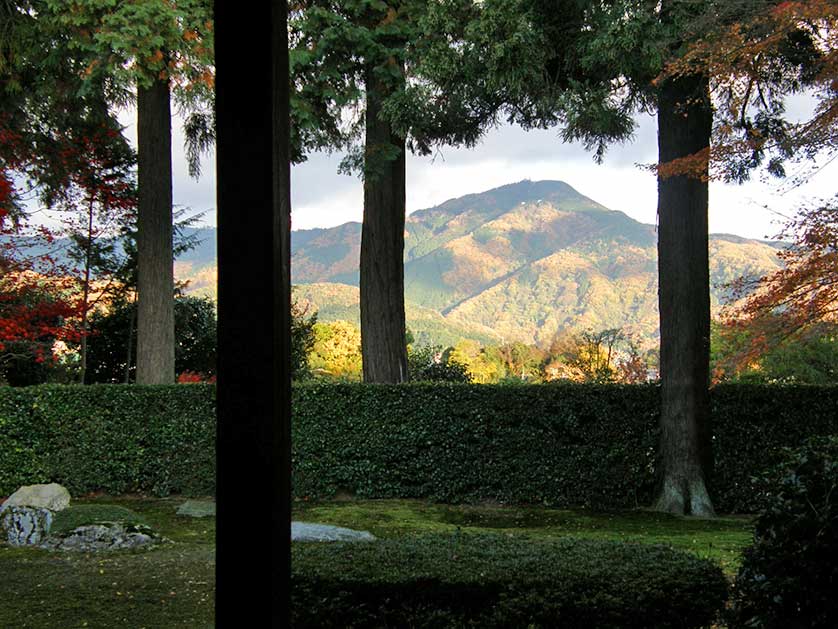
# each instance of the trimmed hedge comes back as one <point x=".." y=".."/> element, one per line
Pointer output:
<point x="496" y="581"/>
<point x="560" y="445"/>
<point x="112" y="438"/>
<point x="557" y="445"/>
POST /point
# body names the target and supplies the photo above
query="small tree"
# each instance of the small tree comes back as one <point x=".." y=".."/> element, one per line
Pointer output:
<point x="432" y="363"/>
<point x="336" y="351"/>
<point x="112" y="360"/>
<point x="302" y="340"/>
<point x="34" y="314"/>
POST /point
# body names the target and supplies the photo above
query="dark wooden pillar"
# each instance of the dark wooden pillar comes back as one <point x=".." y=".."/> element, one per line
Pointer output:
<point x="254" y="387"/>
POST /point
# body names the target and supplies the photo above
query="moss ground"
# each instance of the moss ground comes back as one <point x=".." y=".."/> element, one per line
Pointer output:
<point x="81" y="515"/>
<point x="172" y="585"/>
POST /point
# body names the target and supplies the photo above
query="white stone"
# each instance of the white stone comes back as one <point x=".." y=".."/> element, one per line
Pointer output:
<point x="51" y="496"/>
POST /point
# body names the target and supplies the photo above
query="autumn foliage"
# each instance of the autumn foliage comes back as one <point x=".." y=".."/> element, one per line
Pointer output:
<point x="41" y="300"/>
<point x="758" y="53"/>
<point x="794" y="303"/>
<point x="33" y="315"/>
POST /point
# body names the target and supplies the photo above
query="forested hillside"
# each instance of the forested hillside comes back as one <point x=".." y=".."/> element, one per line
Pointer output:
<point x="519" y="262"/>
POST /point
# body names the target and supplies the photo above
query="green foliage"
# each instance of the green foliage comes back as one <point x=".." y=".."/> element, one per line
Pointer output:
<point x="141" y="42"/>
<point x="340" y="50"/>
<point x="302" y="340"/>
<point x="113" y="438"/>
<point x="789" y="574"/>
<point x="807" y="358"/>
<point x="557" y="444"/>
<point x="108" y="351"/>
<point x="430" y="363"/>
<point x="336" y="350"/>
<point x="470" y="580"/>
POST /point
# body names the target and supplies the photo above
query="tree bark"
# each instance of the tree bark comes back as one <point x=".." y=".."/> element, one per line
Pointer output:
<point x="383" y="347"/>
<point x="254" y="311"/>
<point x="129" y="349"/>
<point x="155" y="274"/>
<point x="685" y="449"/>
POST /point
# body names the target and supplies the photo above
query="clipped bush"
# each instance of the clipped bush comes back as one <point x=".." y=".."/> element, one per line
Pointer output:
<point x="112" y="438"/>
<point x="558" y="445"/>
<point x="789" y="576"/>
<point x="752" y="424"/>
<point x="498" y="581"/>
<point x="561" y="445"/>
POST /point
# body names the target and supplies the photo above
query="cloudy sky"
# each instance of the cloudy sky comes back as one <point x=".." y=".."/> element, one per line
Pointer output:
<point x="322" y="198"/>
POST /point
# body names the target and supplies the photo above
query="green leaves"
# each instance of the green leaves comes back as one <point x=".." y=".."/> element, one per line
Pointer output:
<point x="142" y="40"/>
<point x="562" y="445"/>
<point x="788" y="575"/>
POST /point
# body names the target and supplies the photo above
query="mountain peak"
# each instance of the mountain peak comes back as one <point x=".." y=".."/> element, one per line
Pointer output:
<point x="506" y="197"/>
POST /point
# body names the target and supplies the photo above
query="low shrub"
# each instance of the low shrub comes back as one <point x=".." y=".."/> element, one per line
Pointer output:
<point x="499" y="581"/>
<point x="789" y="576"/>
<point x="75" y="516"/>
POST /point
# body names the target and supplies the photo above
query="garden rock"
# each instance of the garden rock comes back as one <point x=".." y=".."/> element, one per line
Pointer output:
<point x="197" y="508"/>
<point x="24" y="526"/>
<point x="308" y="532"/>
<point x="51" y="496"/>
<point x="104" y="536"/>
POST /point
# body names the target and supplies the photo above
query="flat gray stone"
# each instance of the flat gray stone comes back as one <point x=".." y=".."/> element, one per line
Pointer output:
<point x="300" y="531"/>
<point x="309" y="532"/>
<point x="197" y="508"/>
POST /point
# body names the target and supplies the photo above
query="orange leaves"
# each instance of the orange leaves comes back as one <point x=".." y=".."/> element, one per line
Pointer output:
<point x="797" y="298"/>
<point x="755" y="55"/>
<point x="694" y="166"/>
<point x="391" y="16"/>
<point x="190" y="35"/>
<point x="208" y="78"/>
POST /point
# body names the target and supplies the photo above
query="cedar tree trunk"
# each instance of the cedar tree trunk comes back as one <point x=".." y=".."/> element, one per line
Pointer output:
<point x="155" y="275"/>
<point x="383" y="346"/>
<point x="685" y="449"/>
<point x="254" y="310"/>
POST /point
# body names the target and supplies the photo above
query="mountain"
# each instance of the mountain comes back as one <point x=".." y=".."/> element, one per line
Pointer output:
<point x="519" y="262"/>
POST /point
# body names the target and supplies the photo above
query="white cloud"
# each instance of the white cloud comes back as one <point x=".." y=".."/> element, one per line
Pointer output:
<point x="323" y="198"/>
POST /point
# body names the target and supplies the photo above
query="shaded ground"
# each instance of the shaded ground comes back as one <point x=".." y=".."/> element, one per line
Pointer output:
<point x="172" y="586"/>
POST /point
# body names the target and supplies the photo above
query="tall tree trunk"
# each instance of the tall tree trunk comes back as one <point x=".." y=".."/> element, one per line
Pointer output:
<point x="155" y="275"/>
<point x="383" y="346"/>
<point x="254" y="312"/>
<point x="685" y="450"/>
<point x="85" y="299"/>
<point x="129" y="346"/>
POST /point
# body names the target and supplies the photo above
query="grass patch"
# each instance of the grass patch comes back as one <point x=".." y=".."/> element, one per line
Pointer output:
<point x="169" y="586"/>
<point x="719" y="539"/>
<point x="173" y="585"/>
